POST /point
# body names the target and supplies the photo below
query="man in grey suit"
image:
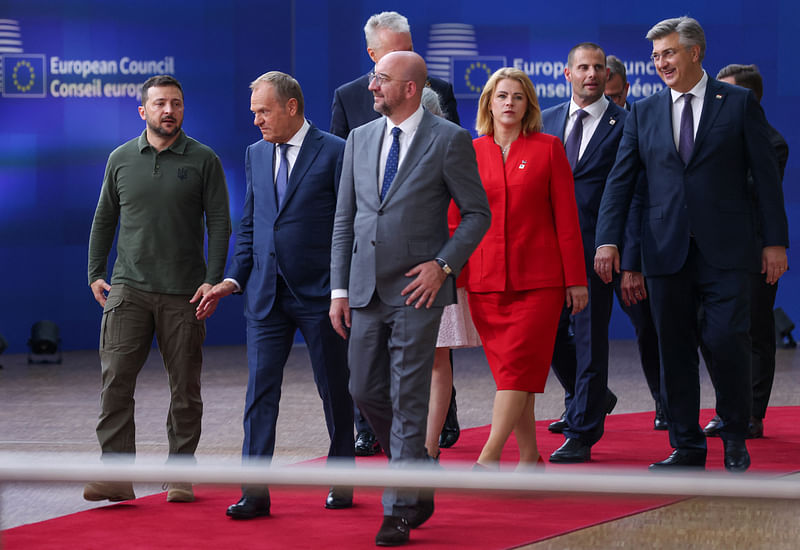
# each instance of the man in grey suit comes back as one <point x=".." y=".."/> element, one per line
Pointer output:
<point x="393" y="265"/>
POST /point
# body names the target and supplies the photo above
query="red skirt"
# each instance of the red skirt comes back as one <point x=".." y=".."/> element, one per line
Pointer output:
<point x="518" y="331"/>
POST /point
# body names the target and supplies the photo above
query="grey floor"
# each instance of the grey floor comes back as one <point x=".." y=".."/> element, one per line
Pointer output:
<point x="53" y="408"/>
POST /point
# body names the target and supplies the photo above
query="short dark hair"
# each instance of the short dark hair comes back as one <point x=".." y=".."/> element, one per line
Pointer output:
<point x="158" y="81"/>
<point x="584" y="46"/>
<point x="616" y="66"/>
<point x="746" y="76"/>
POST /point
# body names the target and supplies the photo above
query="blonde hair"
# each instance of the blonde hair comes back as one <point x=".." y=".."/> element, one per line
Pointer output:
<point x="531" y="121"/>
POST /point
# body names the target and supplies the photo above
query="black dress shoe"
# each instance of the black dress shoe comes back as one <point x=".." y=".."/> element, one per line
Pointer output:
<point x="681" y="458"/>
<point x="339" y="497"/>
<point x="611" y="401"/>
<point x="660" y="421"/>
<point x="422" y="512"/>
<point x="755" y="430"/>
<point x="713" y="427"/>
<point x="451" y="430"/>
<point x="367" y="444"/>
<point x="571" y="452"/>
<point x="394" y="531"/>
<point x="559" y="425"/>
<point x="249" y="507"/>
<point x="737" y="459"/>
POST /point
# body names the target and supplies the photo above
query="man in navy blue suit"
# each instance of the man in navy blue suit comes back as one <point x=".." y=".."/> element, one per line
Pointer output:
<point x="695" y="141"/>
<point x="591" y="127"/>
<point x="282" y="263"/>
<point x="352" y="107"/>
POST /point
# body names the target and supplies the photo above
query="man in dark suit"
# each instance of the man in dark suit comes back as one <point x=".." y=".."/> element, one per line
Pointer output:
<point x="282" y="263"/>
<point x="696" y="141"/>
<point x="352" y="102"/>
<point x="762" y="295"/>
<point x="393" y="265"/>
<point x="590" y="126"/>
<point x="387" y="32"/>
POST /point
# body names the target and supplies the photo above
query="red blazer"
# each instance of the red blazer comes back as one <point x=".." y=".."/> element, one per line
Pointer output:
<point x="535" y="239"/>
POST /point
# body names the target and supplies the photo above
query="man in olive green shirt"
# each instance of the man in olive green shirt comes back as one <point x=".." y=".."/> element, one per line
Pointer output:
<point x="162" y="189"/>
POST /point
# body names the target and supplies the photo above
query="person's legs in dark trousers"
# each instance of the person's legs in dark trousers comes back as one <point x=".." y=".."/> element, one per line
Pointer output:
<point x="587" y="411"/>
<point x="673" y="303"/>
<point x="647" y="344"/>
<point x="762" y="332"/>
<point x="564" y="363"/>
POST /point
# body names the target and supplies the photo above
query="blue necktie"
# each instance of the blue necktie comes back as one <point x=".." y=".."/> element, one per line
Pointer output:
<point x="573" y="144"/>
<point x="282" y="180"/>
<point x="686" y="138"/>
<point x="391" y="162"/>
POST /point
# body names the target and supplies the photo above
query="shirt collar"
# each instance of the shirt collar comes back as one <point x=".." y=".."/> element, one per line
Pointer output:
<point x="699" y="89"/>
<point x="409" y="125"/>
<point x="595" y="110"/>
<point x="178" y="146"/>
<point x="297" y="139"/>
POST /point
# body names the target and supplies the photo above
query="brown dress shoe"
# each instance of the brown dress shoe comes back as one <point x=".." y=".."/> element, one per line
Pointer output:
<point x="108" y="490"/>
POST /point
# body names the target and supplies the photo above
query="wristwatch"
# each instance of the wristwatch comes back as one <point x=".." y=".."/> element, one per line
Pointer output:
<point x="446" y="268"/>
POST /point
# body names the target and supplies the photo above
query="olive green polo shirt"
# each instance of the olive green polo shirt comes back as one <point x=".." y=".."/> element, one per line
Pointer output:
<point x="163" y="202"/>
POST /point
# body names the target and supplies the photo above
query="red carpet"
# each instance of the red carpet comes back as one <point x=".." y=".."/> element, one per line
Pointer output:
<point x="461" y="520"/>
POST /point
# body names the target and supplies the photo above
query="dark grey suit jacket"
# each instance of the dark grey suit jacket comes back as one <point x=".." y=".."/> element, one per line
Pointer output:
<point x="376" y="242"/>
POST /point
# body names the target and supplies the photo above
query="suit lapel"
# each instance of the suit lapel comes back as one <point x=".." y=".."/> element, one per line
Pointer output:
<point x="423" y="137"/>
<point x="308" y="152"/>
<point x="562" y="115"/>
<point x="664" y="115"/>
<point x="712" y="103"/>
<point x="607" y="122"/>
<point x="371" y="157"/>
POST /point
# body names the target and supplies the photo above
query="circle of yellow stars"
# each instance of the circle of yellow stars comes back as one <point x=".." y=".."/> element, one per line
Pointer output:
<point x="467" y="75"/>
<point x="31" y="78"/>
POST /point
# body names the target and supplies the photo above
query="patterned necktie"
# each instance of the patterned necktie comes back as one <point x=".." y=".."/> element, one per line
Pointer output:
<point x="686" y="139"/>
<point x="282" y="180"/>
<point x="573" y="143"/>
<point x="391" y="162"/>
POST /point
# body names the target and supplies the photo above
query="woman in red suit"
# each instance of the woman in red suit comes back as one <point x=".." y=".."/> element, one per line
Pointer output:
<point x="529" y="262"/>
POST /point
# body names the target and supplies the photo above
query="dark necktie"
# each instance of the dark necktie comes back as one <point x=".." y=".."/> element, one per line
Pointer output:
<point x="686" y="139"/>
<point x="282" y="180"/>
<point x="573" y="143"/>
<point x="391" y="162"/>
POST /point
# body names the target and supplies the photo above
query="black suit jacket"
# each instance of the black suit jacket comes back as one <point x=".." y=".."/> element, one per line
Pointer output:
<point x="352" y="104"/>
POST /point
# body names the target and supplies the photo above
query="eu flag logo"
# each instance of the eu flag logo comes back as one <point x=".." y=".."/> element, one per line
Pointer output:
<point x="470" y="73"/>
<point x="24" y="75"/>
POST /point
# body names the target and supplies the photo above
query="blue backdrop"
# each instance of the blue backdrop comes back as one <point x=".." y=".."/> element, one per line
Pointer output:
<point x="70" y="70"/>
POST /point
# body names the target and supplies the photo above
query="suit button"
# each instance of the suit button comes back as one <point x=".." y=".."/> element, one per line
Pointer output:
<point x="380" y="212"/>
<point x="277" y="227"/>
<point x="372" y="243"/>
<point x="272" y="254"/>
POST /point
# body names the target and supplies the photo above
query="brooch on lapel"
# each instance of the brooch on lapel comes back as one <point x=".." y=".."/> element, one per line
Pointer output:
<point x="522" y="164"/>
<point x="613" y="121"/>
<point x="718" y="96"/>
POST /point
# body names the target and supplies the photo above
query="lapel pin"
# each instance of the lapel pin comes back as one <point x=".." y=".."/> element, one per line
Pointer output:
<point x="613" y="121"/>
<point x="522" y="164"/>
<point x="719" y="96"/>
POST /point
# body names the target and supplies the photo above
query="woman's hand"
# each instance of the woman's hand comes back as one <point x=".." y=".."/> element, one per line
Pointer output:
<point x="577" y="298"/>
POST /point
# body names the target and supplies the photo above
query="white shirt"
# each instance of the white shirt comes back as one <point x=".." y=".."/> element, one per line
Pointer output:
<point x="295" y="142"/>
<point x="699" y="93"/>
<point x="595" y="113"/>
<point x="409" y="128"/>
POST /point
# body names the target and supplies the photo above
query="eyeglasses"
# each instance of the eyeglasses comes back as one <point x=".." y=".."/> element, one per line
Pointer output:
<point x="381" y="78"/>
<point x="667" y="55"/>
